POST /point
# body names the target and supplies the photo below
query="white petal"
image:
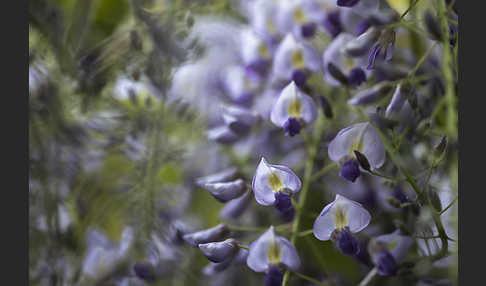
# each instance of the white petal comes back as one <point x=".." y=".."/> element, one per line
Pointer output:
<point x="291" y="93"/>
<point x="373" y="148"/>
<point x="258" y="257"/>
<point x="357" y="216"/>
<point x="290" y="257"/>
<point x="264" y="194"/>
<point x="341" y="144"/>
<point x="324" y="224"/>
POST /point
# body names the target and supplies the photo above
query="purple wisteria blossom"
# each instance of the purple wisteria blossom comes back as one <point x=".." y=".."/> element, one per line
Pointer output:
<point x="387" y="250"/>
<point x="293" y="109"/>
<point x="338" y="220"/>
<point x="219" y="251"/>
<point x="294" y="60"/>
<point x="273" y="185"/>
<point x="361" y="137"/>
<point x="269" y="253"/>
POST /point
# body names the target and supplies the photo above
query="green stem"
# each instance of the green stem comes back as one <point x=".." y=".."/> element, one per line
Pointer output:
<point x="310" y="279"/>
<point x="368" y="277"/>
<point x="448" y="206"/>
<point x="306" y="232"/>
<point x="323" y="171"/>
<point x="447" y="67"/>
<point x="309" y="165"/>
<point x="409" y="9"/>
<point x="387" y="177"/>
<point x="421" y="60"/>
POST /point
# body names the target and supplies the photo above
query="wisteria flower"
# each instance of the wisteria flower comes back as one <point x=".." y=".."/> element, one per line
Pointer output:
<point x="339" y="220"/>
<point x="208" y="235"/>
<point x="297" y="17"/>
<point x="387" y="250"/>
<point x="240" y="84"/>
<point x="293" y="59"/>
<point x="256" y="53"/>
<point x="273" y="185"/>
<point x="219" y="251"/>
<point x="361" y="137"/>
<point x="293" y="109"/>
<point x="340" y="68"/>
<point x="269" y="253"/>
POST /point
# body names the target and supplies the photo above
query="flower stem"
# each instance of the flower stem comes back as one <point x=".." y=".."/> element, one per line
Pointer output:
<point x="309" y="165"/>
<point x="368" y="277"/>
<point x="447" y="64"/>
<point x="448" y="206"/>
<point x="310" y="279"/>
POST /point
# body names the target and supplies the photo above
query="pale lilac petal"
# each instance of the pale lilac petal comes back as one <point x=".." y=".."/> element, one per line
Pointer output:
<point x="290" y="257"/>
<point x="258" y="255"/>
<point x="324" y="224"/>
<point x="340" y="146"/>
<point x="264" y="194"/>
<point x="219" y="251"/>
<point x="357" y="216"/>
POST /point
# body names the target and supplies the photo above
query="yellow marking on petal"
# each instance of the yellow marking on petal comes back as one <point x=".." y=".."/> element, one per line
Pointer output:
<point x="348" y="64"/>
<point x="263" y="51"/>
<point x="271" y="26"/>
<point x="399" y="5"/>
<point x="298" y="59"/>
<point x="273" y="253"/>
<point x="357" y="145"/>
<point x="299" y="16"/>
<point x="295" y="108"/>
<point x="340" y="219"/>
<point x="392" y="244"/>
<point x="275" y="182"/>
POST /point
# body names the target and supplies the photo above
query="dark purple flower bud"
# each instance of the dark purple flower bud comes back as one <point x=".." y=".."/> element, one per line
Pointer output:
<point x="375" y="51"/>
<point x="274" y="276"/>
<point x="283" y="204"/>
<point x="362" y="27"/>
<point x="347" y="243"/>
<point x="386" y="43"/>
<point x="219" y="251"/>
<point x="350" y="170"/>
<point x="356" y="76"/>
<point x="347" y="3"/>
<point x="452" y="35"/>
<point x="308" y="30"/>
<point x="332" y="23"/>
<point x="326" y="106"/>
<point x="225" y="191"/>
<point x="387" y="266"/>
<point x="433" y="26"/>
<point x="209" y="235"/>
<point x="299" y="77"/>
<point x="144" y="271"/>
<point x="292" y="127"/>
<point x="399" y="195"/>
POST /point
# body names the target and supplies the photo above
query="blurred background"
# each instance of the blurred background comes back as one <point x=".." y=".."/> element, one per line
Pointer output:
<point x="131" y="101"/>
